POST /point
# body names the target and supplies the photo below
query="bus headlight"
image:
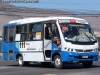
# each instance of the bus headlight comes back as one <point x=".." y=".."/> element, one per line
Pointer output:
<point x="70" y="50"/>
<point x="95" y="50"/>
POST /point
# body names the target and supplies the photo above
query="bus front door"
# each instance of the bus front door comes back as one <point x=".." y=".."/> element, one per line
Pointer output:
<point x="47" y="41"/>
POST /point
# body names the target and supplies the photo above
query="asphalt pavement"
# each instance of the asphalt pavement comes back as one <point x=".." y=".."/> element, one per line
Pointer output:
<point x="12" y="68"/>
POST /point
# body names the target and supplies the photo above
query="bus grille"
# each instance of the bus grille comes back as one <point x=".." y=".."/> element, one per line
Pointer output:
<point x="77" y="50"/>
<point x="88" y="50"/>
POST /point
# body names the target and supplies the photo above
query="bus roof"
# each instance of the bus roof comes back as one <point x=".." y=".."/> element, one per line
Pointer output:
<point x="39" y="19"/>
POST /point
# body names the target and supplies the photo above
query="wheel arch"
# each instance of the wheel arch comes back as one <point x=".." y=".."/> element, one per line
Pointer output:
<point x="18" y="56"/>
<point x="54" y="54"/>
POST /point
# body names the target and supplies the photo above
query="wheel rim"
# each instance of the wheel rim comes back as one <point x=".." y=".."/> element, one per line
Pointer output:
<point x="57" y="62"/>
<point x="20" y="61"/>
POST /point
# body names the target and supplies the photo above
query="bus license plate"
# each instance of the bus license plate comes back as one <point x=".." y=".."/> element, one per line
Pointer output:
<point x="84" y="56"/>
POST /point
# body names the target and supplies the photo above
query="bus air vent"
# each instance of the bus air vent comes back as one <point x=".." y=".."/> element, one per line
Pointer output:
<point x="77" y="50"/>
<point x="88" y="50"/>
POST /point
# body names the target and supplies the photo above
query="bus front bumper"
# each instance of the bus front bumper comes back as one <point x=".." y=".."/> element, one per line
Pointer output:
<point x="75" y="56"/>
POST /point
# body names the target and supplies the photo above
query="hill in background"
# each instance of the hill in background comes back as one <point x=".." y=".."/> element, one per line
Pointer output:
<point x="9" y="12"/>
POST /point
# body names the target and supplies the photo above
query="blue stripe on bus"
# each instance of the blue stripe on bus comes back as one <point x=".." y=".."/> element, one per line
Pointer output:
<point x="70" y="56"/>
<point x="10" y="46"/>
<point x="12" y="24"/>
<point x="67" y="57"/>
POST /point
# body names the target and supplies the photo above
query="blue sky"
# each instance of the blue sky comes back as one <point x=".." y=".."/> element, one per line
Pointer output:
<point x="76" y="6"/>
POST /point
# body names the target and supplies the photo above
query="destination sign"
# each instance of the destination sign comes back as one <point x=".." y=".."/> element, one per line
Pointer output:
<point x="77" y="25"/>
<point x="72" y="21"/>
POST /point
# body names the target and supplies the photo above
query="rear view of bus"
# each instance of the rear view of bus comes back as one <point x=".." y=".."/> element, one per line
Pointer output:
<point x="78" y="43"/>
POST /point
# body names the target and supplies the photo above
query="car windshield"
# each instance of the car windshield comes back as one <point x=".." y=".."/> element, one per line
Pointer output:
<point x="77" y="32"/>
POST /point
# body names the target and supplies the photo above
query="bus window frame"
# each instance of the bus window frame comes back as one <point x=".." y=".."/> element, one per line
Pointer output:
<point x="30" y="32"/>
<point x="4" y="28"/>
<point x="45" y="22"/>
<point x="42" y="30"/>
<point x="58" y="36"/>
<point x="8" y="34"/>
<point x="13" y="33"/>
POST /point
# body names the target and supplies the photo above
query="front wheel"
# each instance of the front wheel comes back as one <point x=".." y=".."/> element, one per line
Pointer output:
<point x="87" y="64"/>
<point x="21" y="62"/>
<point x="58" y="62"/>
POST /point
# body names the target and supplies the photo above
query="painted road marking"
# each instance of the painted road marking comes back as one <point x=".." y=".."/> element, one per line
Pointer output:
<point x="4" y="67"/>
<point x="50" y="74"/>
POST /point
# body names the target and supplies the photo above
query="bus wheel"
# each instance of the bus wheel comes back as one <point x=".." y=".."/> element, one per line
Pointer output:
<point x="87" y="64"/>
<point x="46" y="64"/>
<point x="21" y="62"/>
<point x="58" y="62"/>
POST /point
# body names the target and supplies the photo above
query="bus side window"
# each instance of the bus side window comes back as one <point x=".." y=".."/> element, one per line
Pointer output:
<point x="5" y="33"/>
<point x="30" y="36"/>
<point x="23" y="36"/>
<point x="11" y="34"/>
<point x="22" y="29"/>
<point x="35" y="31"/>
<point x="55" y="31"/>
<point x="48" y="31"/>
<point x="56" y="37"/>
<point x="18" y="29"/>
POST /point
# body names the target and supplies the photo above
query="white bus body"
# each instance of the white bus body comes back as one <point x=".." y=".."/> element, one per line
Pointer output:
<point x="49" y="39"/>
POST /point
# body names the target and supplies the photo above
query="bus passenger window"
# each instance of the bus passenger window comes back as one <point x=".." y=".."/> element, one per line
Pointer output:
<point x="37" y="36"/>
<point x="11" y="35"/>
<point x="31" y="27"/>
<point x="48" y="31"/>
<point x="6" y="33"/>
<point x="18" y="29"/>
<point x="24" y="28"/>
<point x="55" y="31"/>
<point x="56" y="36"/>
<point x="36" y="31"/>
<point x="23" y="36"/>
<point x="37" y="27"/>
<point x="30" y="37"/>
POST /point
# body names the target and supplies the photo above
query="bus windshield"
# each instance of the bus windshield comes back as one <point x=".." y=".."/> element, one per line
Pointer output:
<point x="77" y="32"/>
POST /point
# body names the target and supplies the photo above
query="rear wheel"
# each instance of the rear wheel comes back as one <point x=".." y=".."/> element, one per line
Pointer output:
<point x="58" y="62"/>
<point x="21" y="62"/>
<point x="87" y="64"/>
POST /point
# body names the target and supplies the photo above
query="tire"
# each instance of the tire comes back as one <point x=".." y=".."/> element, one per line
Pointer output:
<point x="21" y="62"/>
<point x="87" y="64"/>
<point x="46" y="64"/>
<point x="58" y="62"/>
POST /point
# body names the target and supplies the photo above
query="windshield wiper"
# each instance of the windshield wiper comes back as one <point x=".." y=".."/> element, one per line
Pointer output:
<point x="77" y="35"/>
<point x="84" y="33"/>
<point x="93" y="38"/>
